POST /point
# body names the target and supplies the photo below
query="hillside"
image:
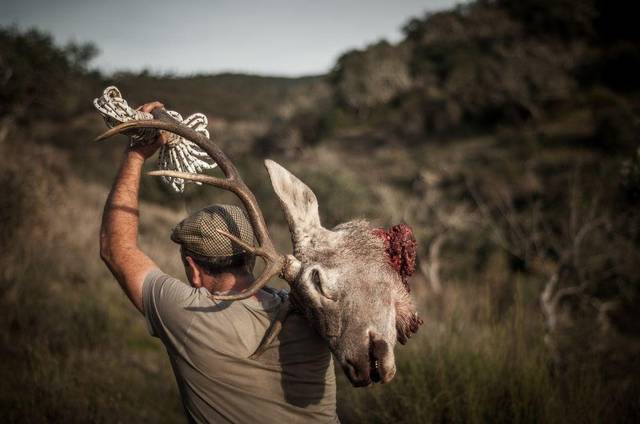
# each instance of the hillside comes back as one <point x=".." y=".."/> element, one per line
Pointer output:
<point x="504" y="132"/>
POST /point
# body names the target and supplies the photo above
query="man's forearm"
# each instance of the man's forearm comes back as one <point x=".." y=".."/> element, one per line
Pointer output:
<point x="119" y="232"/>
<point x="120" y="218"/>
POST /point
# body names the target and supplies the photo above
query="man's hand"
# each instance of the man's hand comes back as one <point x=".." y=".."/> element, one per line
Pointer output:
<point x="144" y="152"/>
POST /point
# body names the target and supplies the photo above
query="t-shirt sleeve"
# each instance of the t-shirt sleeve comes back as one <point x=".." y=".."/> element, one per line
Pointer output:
<point x="168" y="304"/>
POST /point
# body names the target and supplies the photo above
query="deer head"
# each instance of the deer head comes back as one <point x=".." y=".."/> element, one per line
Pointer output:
<point x="349" y="281"/>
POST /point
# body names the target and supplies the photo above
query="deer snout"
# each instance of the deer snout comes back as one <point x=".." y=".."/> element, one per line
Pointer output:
<point x="381" y="359"/>
<point x="358" y="372"/>
<point x="373" y="363"/>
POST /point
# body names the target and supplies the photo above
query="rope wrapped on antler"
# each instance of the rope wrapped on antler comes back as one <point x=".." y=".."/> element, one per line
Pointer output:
<point x="178" y="154"/>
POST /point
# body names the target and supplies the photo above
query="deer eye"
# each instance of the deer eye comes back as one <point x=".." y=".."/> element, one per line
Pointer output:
<point x="316" y="279"/>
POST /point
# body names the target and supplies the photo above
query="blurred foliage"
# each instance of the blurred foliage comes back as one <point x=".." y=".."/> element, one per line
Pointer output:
<point x="72" y="348"/>
<point x="363" y="79"/>
<point x="630" y="181"/>
<point x="564" y="19"/>
<point x="616" y="124"/>
<point x="505" y="132"/>
<point x="470" y="369"/>
<point x="490" y="63"/>
<point x="341" y="195"/>
<point x="222" y="96"/>
<point x="37" y="78"/>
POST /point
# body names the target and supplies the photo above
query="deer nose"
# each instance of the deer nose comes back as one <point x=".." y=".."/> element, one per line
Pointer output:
<point x="357" y="372"/>
<point x="374" y="362"/>
<point x="381" y="360"/>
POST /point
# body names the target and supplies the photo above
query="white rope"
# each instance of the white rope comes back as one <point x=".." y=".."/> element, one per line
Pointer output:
<point x="178" y="154"/>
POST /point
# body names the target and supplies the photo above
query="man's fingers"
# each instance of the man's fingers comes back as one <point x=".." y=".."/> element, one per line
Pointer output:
<point x="162" y="138"/>
<point x="148" y="107"/>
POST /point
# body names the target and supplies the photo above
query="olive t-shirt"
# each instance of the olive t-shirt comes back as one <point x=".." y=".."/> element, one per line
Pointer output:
<point x="209" y="343"/>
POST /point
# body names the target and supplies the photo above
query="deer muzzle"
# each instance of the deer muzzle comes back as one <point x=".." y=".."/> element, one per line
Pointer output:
<point x="374" y="363"/>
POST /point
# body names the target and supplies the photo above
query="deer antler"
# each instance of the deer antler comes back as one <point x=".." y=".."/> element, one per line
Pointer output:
<point x="274" y="261"/>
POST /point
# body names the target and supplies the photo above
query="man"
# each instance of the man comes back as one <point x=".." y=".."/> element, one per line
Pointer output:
<point x="209" y="342"/>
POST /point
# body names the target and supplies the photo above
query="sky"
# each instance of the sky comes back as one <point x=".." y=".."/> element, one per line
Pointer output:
<point x="271" y="37"/>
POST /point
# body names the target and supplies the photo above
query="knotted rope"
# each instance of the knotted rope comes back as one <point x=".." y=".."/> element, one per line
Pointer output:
<point x="178" y="154"/>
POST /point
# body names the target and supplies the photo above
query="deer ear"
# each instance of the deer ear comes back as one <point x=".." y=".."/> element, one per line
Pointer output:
<point x="407" y="319"/>
<point x="299" y="203"/>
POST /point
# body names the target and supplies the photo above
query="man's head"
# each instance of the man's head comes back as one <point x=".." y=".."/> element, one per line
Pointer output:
<point x="205" y="252"/>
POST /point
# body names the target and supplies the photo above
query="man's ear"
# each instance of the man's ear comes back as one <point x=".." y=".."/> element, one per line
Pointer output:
<point x="298" y="202"/>
<point x="195" y="272"/>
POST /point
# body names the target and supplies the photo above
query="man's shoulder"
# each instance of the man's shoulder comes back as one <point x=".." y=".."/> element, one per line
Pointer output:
<point x="160" y="289"/>
<point x="165" y="302"/>
<point x="297" y="343"/>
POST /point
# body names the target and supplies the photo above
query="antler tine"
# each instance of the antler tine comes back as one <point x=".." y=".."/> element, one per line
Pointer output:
<point x="223" y="183"/>
<point x="271" y="270"/>
<point x="274" y="329"/>
<point x="233" y="182"/>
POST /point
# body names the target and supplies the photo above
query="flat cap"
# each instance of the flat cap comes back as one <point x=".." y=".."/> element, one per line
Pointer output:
<point x="197" y="233"/>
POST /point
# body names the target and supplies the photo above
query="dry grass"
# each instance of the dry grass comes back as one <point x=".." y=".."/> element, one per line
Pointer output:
<point x="73" y="349"/>
<point x="467" y="367"/>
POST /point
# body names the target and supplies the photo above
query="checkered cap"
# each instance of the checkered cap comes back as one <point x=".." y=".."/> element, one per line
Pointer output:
<point x="197" y="233"/>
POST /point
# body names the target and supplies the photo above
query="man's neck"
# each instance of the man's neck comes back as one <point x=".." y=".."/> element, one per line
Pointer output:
<point x="228" y="281"/>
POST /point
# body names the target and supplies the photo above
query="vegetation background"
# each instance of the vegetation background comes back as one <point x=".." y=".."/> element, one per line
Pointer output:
<point x="505" y="132"/>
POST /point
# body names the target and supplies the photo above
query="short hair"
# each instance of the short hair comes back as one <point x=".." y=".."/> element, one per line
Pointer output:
<point x="219" y="264"/>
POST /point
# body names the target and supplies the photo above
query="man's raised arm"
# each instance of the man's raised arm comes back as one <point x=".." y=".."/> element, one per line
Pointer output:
<point x="119" y="232"/>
